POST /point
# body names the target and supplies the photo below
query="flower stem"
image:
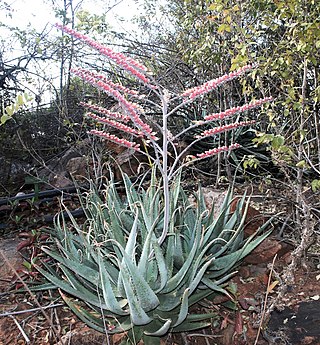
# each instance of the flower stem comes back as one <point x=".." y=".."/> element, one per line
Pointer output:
<point x="165" y="170"/>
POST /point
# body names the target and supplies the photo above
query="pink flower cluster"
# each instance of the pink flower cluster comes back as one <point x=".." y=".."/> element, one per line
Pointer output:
<point x="115" y="139"/>
<point x="129" y="107"/>
<point x="224" y="128"/>
<point x="98" y="76"/>
<point x="115" y="124"/>
<point x="127" y="63"/>
<point x="115" y="86"/>
<point x="104" y="111"/>
<point x="235" y="110"/>
<point x="217" y="150"/>
<point x="214" y="83"/>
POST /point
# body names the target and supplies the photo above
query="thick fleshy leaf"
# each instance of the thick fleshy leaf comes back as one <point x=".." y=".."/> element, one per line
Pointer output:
<point x="225" y="263"/>
<point x="77" y="267"/>
<point x="137" y="313"/>
<point x="184" y="308"/>
<point x="175" y="193"/>
<point x="161" y="264"/>
<point x="162" y="330"/>
<point x="183" y="271"/>
<point x="191" y="326"/>
<point x="85" y="316"/>
<point x="171" y="300"/>
<point x="196" y="280"/>
<point x="131" y="242"/>
<point x="201" y="204"/>
<point x="146" y="296"/>
<point x="82" y="293"/>
<point x="131" y="192"/>
<point x="143" y="262"/>
<point x="110" y="299"/>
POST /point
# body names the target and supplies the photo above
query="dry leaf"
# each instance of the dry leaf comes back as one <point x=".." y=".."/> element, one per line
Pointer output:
<point x="272" y="286"/>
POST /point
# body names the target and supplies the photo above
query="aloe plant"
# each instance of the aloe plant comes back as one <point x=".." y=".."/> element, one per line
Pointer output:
<point x="128" y="281"/>
<point x="140" y="260"/>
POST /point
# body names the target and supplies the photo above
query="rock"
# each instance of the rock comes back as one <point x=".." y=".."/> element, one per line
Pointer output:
<point x="299" y="324"/>
<point x="8" y="248"/>
<point x="77" y="167"/>
<point x="214" y="197"/>
<point x="265" y="252"/>
<point x="60" y="181"/>
<point x="254" y="219"/>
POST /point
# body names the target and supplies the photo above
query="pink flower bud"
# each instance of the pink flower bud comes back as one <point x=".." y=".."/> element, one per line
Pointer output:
<point x="217" y="150"/>
<point x="224" y="128"/>
<point x="213" y="84"/>
<point x="235" y="110"/>
<point x="115" y="139"/>
<point x="130" y="65"/>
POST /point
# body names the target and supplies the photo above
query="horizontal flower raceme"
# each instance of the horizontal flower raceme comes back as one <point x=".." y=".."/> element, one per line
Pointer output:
<point x="224" y="128"/>
<point x="106" y="112"/>
<point x="130" y="65"/>
<point x="235" y="110"/>
<point x="115" y="124"/>
<point x="214" y="83"/>
<point x="115" y="139"/>
<point x="217" y="150"/>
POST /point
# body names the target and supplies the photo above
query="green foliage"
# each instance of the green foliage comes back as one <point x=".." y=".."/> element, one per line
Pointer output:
<point x="315" y="185"/>
<point x="276" y="143"/>
<point x="128" y="281"/>
<point x="251" y="162"/>
<point x="10" y="110"/>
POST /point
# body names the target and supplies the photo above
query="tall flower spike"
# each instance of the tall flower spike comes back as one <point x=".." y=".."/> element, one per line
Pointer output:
<point x="115" y="139"/>
<point x="106" y="112"/>
<point x="214" y="83"/>
<point x="115" y="124"/>
<point x="235" y="110"/>
<point x="129" y="107"/>
<point x="116" y="86"/>
<point x="130" y="65"/>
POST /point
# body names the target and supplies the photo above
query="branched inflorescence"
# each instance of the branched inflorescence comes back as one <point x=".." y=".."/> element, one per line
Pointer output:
<point x="131" y="119"/>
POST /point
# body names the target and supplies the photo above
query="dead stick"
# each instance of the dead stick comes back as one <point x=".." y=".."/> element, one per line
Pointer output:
<point x="263" y="313"/>
<point x="8" y="313"/>
<point x="21" y="330"/>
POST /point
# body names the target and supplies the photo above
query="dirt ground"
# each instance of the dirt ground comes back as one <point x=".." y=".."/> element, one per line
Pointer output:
<point x="42" y="318"/>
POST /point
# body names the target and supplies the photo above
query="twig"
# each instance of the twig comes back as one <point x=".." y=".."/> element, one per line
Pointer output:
<point x="185" y="338"/>
<point x="31" y="310"/>
<point x="21" y="329"/>
<point x="55" y="313"/>
<point x="263" y="313"/>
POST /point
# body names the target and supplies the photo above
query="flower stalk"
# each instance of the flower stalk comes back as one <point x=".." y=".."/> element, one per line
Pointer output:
<point x="138" y="127"/>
